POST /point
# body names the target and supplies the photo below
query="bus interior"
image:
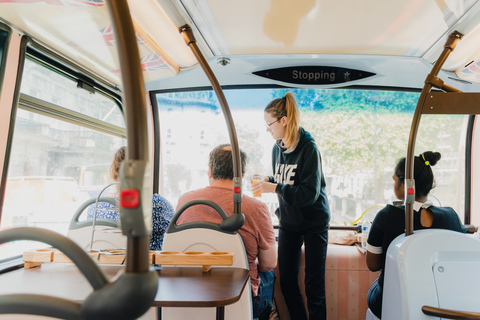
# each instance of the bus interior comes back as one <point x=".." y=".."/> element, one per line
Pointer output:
<point x="375" y="81"/>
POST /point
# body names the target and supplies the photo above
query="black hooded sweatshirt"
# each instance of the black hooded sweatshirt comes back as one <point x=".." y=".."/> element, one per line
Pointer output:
<point x="300" y="186"/>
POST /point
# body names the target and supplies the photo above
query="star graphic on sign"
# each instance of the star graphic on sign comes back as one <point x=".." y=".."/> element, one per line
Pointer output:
<point x="346" y="75"/>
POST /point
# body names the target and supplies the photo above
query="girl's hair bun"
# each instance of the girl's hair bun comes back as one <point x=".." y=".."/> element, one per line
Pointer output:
<point x="431" y="157"/>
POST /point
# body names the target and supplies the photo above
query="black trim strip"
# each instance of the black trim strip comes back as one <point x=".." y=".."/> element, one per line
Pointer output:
<point x="468" y="169"/>
<point x="156" y="144"/>
<point x="271" y="86"/>
<point x="11" y="264"/>
<point x="209" y="88"/>
<point x="6" y="34"/>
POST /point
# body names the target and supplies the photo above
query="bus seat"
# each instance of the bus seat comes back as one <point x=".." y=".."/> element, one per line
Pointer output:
<point x="371" y="316"/>
<point x="81" y="231"/>
<point x="437" y="268"/>
<point x="199" y="236"/>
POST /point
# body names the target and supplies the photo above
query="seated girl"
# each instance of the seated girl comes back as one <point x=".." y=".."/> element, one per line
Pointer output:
<point x="390" y="221"/>
<point x="162" y="210"/>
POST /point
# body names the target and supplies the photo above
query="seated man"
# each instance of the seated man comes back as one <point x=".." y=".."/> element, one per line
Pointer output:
<point x="257" y="232"/>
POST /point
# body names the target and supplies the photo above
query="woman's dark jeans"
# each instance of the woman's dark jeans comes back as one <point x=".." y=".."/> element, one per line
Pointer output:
<point x="289" y="252"/>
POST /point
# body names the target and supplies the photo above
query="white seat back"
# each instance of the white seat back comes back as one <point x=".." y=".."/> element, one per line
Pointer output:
<point x="204" y="236"/>
<point x="371" y="316"/>
<point x="437" y="268"/>
<point x="111" y="238"/>
<point x="199" y="239"/>
<point x="108" y="234"/>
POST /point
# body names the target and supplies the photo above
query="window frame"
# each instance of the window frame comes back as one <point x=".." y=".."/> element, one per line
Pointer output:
<point x="157" y="157"/>
<point x="38" y="53"/>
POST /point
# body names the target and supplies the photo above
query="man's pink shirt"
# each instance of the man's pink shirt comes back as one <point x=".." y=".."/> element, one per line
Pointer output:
<point x="257" y="231"/>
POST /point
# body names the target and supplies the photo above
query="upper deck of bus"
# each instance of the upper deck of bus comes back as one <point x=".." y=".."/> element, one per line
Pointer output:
<point x="357" y="69"/>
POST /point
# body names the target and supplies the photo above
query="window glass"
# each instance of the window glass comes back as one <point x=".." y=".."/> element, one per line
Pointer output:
<point x="361" y="135"/>
<point x="447" y="135"/>
<point x="54" y="165"/>
<point x="45" y="84"/>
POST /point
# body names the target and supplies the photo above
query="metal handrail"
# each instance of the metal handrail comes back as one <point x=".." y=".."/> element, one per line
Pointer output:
<point x="431" y="82"/>
<point x="450" y="314"/>
<point x="236" y="220"/>
<point x="96" y="210"/>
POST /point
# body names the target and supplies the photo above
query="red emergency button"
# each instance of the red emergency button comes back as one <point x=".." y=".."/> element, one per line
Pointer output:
<point x="411" y="191"/>
<point x="129" y="198"/>
<point x="236" y="190"/>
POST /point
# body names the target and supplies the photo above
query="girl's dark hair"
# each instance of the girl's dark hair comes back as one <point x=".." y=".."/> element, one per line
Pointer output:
<point x="422" y="171"/>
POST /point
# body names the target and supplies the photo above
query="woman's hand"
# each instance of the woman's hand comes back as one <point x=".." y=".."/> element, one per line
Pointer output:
<point x="264" y="186"/>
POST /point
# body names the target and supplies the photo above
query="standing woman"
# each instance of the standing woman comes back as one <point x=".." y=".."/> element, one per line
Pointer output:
<point x="303" y="210"/>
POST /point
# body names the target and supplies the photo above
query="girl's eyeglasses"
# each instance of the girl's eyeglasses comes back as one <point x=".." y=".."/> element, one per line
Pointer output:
<point x="269" y="124"/>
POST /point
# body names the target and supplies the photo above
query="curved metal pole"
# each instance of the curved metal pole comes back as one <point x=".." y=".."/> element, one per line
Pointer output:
<point x="95" y="214"/>
<point x="134" y="291"/>
<point x="229" y="224"/>
<point x="132" y="79"/>
<point x="82" y="260"/>
<point x="136" y="123"/>
<point x="130" y="296"/>
<point x="431" y="81"/>
<point x="189" y="38"/>
<point x="40" y="305"/>
<point x="450" y="314"/>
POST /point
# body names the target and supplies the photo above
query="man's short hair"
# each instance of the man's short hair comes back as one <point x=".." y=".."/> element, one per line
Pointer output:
<point x="221" y="163"/>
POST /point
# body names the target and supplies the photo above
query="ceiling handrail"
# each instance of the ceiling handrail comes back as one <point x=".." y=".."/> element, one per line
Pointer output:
<point x="432" y="81"/>
<point x="236" y="220"/>
<point x="450" y="314"/>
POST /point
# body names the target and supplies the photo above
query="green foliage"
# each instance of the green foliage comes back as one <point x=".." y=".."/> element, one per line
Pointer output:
<point x="351" y="101"/>
<point x="358" y="131"/>
<point x="362" y="134"/>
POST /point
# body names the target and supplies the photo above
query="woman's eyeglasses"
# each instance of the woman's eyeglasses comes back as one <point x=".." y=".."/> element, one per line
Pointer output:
<point x="269" y="124"/>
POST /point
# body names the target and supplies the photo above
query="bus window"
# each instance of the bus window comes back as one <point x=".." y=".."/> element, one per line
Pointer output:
<point x="42" y="83"/>
<point x="63" y="138"/>
<point x="447" y="135"/>
<point x="361" y="135"/>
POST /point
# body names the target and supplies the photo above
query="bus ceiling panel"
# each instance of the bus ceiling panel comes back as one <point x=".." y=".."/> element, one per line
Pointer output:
<point x="410" y="29"/>
<point x="175" y="10"/>
<point x="400" y="28"/>
<point x="158" y="28"/>
<point x="389" y="71"/>
<point x="468" y="48"/>
<point x="82" y="31"/>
